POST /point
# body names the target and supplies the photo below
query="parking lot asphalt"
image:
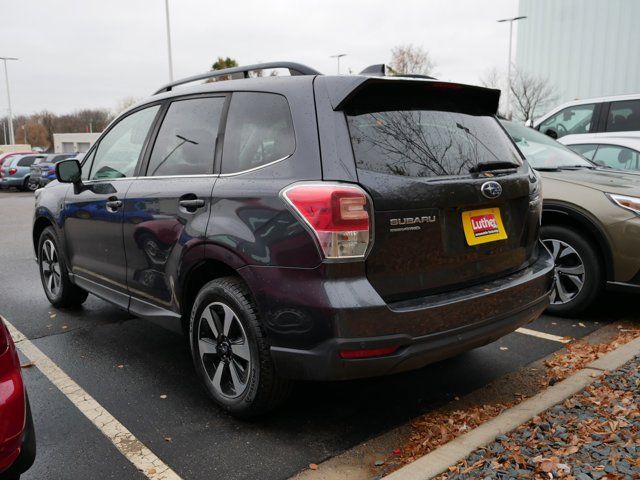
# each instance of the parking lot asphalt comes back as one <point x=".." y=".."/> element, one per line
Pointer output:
<point x="142" y="374"/>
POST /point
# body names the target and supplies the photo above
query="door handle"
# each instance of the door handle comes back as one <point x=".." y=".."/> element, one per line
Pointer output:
<point x="113" y="204"/>
<point x="192" y="204"/>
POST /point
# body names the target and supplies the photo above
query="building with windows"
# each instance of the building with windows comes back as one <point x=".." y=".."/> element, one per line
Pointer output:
<point x="73" y="142"/>
<point x="585" y="48"/>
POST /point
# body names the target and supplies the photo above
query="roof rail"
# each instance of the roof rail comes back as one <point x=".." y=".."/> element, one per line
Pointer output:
<point x="380" y="70"/>
<point x="242" y="72"/>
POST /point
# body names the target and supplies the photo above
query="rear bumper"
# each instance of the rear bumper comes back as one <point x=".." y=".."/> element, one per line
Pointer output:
<point x="311" y="317"/>
<point x="42" y="181"/>
<point x="324" y="362"/>
<point x="6" y="182"/>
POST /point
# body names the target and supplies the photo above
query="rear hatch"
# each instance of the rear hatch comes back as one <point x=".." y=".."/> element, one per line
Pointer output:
<point x="451" y="193"/>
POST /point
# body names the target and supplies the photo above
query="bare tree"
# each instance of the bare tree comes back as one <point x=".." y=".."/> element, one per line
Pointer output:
<point x="408" y="59"/>
<point x="125" y="103"/>
<point x="493" y="78"/>
<point x="530" y="94"/>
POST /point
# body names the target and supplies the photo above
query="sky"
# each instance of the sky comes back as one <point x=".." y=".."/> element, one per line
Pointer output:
<point x="95" y="53"/>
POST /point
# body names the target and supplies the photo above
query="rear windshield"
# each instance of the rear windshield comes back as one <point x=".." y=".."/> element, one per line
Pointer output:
<point x="428" y="143"/>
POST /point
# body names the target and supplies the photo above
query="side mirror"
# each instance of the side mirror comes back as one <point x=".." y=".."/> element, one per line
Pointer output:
<point x="68" y="171"/>
<point x="529" y="123"/>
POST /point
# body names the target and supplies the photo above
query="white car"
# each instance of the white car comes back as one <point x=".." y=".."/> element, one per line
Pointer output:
<point x="621" y="153"/>
<point x="595" y="116"/>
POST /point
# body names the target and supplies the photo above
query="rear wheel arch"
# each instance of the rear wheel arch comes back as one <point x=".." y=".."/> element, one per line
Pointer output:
<point x="572" y="218"/>
<point x="197" y="277"/>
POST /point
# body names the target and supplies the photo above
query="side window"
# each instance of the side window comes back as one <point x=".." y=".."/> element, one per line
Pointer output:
<point x="571" y="120"/>
<point x="259" y="130"/>
<point x="586" y="151"/>
<point x="624" y="116"/>
<point x="186" y="141"/>
<point x="616" y="157"/>
<point x="119" y="150"/>
<point x="26" y="161"/>
<point x="86" y="165"/>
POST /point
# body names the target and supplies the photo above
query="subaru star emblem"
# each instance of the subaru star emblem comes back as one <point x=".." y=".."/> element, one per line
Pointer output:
<point x="491" y="189"/>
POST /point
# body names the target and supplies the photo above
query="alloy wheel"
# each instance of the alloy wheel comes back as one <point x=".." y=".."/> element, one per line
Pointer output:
<point x="569" y="271"/>
<point x="51" y="268"/>
<point x="223" y="350"/>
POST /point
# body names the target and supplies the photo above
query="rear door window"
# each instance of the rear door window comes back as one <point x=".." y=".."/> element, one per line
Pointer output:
<point x="618" y="157"/>
<point x="26" y="161"/>
<point x="624" y="116"/>
<point x="585" y="150"/>
<point x="259" y="131"/>
<point x="427" y="143"/>
<point x="569" y="121"/>
<point x="119" y="150"/>
<point x="186" y="142"/>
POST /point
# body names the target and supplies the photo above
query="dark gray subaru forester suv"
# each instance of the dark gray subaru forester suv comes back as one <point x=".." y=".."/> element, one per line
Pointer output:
<point x="303" y="226"/>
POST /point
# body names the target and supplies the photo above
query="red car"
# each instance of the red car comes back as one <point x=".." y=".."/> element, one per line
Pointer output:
<point x="17" y="436"/>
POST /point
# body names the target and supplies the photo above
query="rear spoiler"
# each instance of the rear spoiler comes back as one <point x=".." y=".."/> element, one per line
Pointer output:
<point x="359" y="94"/>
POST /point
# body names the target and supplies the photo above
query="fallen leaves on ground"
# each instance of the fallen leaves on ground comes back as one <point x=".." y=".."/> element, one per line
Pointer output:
<point x="438" y="427"/>
<point x="593" y="434"/>
<point x="579" y="353"/>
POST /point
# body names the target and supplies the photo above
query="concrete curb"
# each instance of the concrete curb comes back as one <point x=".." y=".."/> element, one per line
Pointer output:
<point x="442" y="458"/>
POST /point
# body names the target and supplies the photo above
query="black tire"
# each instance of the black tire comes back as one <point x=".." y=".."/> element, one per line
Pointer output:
<point x="27" y="186"/>
<point x="66" y="294"/>
<point x="581" y="298"/>
<point x="262" y="390"/>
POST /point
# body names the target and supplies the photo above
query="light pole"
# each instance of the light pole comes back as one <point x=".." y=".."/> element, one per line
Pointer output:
<point x="338" y="57"/>
<point x="166" y="6"/>
<point x="12" y="140"/>
<point x="508" y="100"/>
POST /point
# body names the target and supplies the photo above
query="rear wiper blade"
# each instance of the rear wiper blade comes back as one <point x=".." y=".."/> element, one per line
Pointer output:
<point x="484" y="166"/>
<point x="575" y="167"/>
<point x="547" y="169"/>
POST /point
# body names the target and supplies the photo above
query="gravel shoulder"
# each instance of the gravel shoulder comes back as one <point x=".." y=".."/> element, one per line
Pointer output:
<point x="593" y="435"/>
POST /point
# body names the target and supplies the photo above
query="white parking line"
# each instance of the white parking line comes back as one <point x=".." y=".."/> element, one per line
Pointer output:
<point x="128" y="445"/>
<point x="546" y="336"/>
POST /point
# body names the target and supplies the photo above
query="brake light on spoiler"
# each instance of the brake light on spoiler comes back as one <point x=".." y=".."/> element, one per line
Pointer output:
<point x="339" y="215"/>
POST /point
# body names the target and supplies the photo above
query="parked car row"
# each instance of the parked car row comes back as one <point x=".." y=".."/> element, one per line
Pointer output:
<point x="29" y="171"/>
<point x="229" y="210"/>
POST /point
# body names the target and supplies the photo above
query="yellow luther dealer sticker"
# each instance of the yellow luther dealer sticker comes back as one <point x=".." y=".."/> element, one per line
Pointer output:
<point x="483" y="226"/>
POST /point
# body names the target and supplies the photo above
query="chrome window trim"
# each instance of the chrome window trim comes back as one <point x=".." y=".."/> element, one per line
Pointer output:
<point x="195" y="175"/>
<point x="100" y="180"/>
<point x="143" y="177"/>
<point x="255" y="168"/>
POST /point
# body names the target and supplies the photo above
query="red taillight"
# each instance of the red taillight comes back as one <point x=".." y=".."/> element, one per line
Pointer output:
<point x="12" y="171"/>
<point x="338" y="214"/>
<point x="367" y="353"/>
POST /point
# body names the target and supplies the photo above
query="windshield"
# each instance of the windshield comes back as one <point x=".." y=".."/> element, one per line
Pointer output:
<point x="541" y="151"/>
<point x="428" y="143"/>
